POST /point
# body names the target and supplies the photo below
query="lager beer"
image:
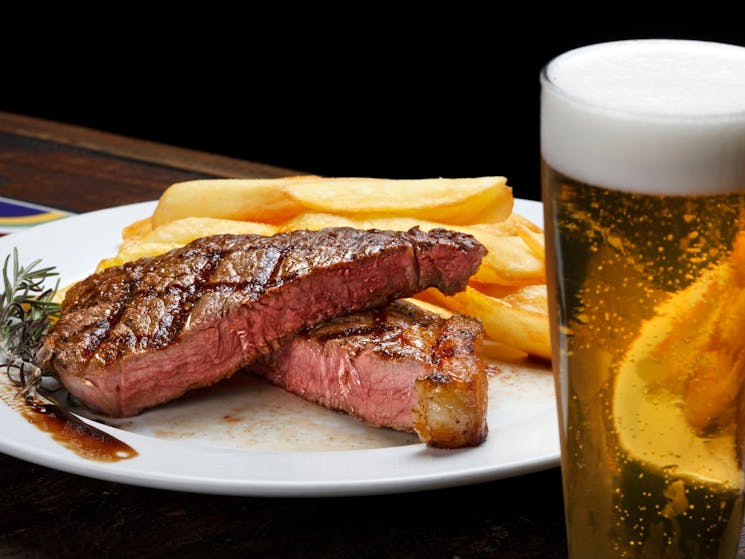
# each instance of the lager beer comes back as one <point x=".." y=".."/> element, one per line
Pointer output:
<point x="643" y="172"/>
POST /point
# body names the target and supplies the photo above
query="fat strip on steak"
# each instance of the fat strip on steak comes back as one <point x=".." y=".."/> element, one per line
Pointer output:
<point x="144" y="333"/>
<point x="398" y="366"/>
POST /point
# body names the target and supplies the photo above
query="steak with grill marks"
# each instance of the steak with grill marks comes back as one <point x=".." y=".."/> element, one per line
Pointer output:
<point x="398" y="366"/>
<point x="141" y="334"/>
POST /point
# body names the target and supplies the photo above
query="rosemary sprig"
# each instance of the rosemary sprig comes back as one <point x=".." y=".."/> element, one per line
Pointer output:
<point x="27" y="310"/>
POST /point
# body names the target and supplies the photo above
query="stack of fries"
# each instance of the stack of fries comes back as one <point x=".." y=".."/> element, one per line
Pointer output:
<point x="508" y="293"/>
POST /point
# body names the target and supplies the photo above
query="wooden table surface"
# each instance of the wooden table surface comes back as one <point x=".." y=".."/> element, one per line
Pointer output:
<point x="47" y="513"/>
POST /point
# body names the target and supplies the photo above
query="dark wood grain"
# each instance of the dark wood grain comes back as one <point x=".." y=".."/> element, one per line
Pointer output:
<point x="48" y="513"/>
<point x="79" y="170"/>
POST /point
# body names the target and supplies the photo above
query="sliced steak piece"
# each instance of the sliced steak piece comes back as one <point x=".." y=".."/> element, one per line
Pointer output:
<point x="144" y="333"/>
<point x="400" y="366"/>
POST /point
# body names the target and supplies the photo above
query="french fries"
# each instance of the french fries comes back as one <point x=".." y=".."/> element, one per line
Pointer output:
<point x="517" y="320"/>
<point x="133" y="249"/>
<point x="137" y="229"/>
<point x="507" y="293"/>
<point x="185" y="230"/>
<point x="458" y="201"/>
<point x="455" y="201"/>
<point x="262" y="200"/>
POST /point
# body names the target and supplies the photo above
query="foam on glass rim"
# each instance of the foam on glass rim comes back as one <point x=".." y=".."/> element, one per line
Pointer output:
<point x="658" y="116"/>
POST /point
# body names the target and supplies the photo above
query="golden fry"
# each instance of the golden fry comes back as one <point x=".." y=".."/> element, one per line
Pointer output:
<point x="534" y="241"/>
<point x="139" y="228"/>
<point x="509" y="262"/>
<point x="519" y="320"/>
<point x="315" y="221"/>
<point x="509" y="226"/>
<point x="454" y="201"/>
<point x="185" y="230"/>
<point x="261" y="200"/>
<point x="497" y="351"/>
<point x="440" y="311"/>
<point x="132" y="250"/>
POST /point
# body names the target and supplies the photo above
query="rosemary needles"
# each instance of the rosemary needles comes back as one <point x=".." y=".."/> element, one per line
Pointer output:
<point x="27" y="310"/>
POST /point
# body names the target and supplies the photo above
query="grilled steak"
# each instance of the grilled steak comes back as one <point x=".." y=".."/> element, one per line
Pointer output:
<point x="399" y="366"/>
<point x="144" y="333"/>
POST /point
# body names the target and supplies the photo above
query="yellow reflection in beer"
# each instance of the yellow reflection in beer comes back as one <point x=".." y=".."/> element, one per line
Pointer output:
<point x="689" y="366"/>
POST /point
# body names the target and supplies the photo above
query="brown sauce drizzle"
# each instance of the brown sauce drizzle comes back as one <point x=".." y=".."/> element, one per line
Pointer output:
<point x="71" y="432"/>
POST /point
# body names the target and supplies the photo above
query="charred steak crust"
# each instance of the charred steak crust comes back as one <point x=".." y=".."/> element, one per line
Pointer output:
<point x="451" y="403"/>
<point x="141" y="334"/>
<point x="398" y="366"/>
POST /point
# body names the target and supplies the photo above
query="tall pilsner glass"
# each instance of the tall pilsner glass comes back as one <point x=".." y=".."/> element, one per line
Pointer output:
<point x="643" y="176"/>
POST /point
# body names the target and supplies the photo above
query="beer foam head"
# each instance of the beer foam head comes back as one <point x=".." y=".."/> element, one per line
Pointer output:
<point x="654" y="115"/>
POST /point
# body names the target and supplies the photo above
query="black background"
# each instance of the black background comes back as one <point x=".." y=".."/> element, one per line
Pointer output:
<point x="357" y="92"/>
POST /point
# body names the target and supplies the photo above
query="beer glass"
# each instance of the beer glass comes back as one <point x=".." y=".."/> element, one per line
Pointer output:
<point x="643" y="185"/>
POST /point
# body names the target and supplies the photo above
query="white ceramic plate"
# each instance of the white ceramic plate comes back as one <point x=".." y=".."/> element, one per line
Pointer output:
<point x="246" y="438"/>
